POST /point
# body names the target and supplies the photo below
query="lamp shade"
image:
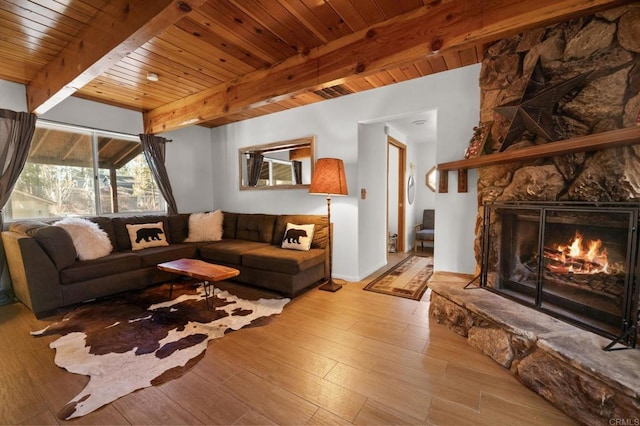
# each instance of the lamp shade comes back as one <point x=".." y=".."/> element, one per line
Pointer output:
<point x="328" y="177"/>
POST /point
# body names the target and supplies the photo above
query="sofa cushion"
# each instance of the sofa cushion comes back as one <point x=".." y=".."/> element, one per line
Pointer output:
<point x="255" y="227"/>
<point x="122" y="235"/>
<point x="320" y="233"/>
<point x="178" y="227"/>
<point x="229" y="224"/>
<point x="57" y="243"/>
<point x="112" y="264"/>
<point x="229" y="251"/>
<point x="154" y="255"/>
<point x="107" y="226"/>
<point x="145" y="235"/>
<point x="27" y="227"/>
<point x="276" y="259"/>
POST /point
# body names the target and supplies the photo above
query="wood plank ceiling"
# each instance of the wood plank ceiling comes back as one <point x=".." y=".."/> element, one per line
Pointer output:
<point x="221" y="61"/>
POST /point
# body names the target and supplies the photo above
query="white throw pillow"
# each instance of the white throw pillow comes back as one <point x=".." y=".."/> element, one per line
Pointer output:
<point x="205" y="226"/>
<point x="145" y="235"/>
<point x="298" y="237"/>
<point x="90" y="241"/>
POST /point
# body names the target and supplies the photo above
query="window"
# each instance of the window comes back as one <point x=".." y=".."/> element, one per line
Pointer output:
<point x="276" y="172"/>
<point x="77" y="171"/>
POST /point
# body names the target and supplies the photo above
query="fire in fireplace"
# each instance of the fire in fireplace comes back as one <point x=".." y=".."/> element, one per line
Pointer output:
<point x="577" y="262"/>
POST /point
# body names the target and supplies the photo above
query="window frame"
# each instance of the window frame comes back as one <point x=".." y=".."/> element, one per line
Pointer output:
<point x="94" y="135"/>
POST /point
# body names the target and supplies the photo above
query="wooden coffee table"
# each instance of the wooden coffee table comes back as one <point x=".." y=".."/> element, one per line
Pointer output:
<point x="201" y="270"/>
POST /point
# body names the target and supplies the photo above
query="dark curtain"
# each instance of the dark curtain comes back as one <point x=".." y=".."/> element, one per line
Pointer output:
<point x="297" y="172"/>
<point x="254" y="166"/>
<point x="154" y="149"/>
<point x="16" y="132"/>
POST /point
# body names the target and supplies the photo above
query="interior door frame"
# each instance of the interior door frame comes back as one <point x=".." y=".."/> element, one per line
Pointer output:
<point x="402" y="165"/>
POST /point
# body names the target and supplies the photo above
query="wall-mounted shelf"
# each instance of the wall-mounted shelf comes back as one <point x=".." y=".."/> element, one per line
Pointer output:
<point x="594" y="142"/>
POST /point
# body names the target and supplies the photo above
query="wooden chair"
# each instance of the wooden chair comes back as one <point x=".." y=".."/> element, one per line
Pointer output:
<point x="425" y="231"/>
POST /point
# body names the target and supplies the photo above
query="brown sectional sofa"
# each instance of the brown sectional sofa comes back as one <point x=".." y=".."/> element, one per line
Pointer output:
<point x="46" y="274"/>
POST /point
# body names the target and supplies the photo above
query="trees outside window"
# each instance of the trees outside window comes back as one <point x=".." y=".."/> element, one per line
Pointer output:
<point x="76" y="171"/>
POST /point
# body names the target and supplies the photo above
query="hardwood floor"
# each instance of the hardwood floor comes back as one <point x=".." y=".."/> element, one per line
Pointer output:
<point x="350" y="357"/>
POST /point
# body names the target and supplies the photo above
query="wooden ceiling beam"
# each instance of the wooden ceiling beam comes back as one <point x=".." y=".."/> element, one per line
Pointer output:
<point x="117" y="30"/>
<point x="426" y="32"/>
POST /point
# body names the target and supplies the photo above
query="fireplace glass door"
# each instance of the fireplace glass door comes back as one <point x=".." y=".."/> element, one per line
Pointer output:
<point x="574" y="262"/>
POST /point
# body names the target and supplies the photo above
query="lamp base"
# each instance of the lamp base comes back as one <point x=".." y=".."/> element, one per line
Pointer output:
<point x="330" y="286"/>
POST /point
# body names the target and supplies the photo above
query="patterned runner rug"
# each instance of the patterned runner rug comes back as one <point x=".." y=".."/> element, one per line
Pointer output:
<point x="407" y="279"/>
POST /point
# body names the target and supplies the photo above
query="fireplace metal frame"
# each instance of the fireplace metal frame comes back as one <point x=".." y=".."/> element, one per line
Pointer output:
<point x="630" y="307"/>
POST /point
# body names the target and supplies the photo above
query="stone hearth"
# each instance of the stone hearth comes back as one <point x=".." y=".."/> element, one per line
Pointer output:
<point x="562" y="363"/>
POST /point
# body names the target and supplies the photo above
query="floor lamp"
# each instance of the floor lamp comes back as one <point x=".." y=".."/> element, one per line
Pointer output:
<point x="329" y="179"/>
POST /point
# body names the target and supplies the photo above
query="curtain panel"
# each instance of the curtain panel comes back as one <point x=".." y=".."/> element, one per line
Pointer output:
<point x="154" y="151"/>
<point x="16" y="132"/>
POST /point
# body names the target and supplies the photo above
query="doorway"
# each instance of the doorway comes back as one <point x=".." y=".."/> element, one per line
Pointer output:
<point x="396" y="165"/>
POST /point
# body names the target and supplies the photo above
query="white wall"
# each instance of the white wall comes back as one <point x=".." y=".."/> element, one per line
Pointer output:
<point x="360" y="242"/>
<point x="189" y="166"/>
<point x="13" y="96"/>
<point x="372" y="211"/>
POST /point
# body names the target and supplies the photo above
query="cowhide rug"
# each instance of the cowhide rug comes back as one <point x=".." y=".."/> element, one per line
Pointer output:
<point x="130" y="342"/>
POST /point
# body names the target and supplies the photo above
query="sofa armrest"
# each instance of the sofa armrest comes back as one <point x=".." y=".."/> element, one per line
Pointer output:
<point x="35" y="279"/>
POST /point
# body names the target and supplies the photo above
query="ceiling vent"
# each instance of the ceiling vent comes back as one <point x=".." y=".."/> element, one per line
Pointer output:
<point x="333" y="92"/>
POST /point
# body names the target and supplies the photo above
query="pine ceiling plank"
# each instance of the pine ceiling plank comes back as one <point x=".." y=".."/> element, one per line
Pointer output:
<point x="309" y="19"/>
<point x="69" y="10"/>
<point x="370" y="12"/>
<point x="397" y="75"/>
<point x="47" y="17"/>
<point x="468" y="56"/>
<point x="179" y="55"/>
<point x="448" y="26"/>
<point x="410" y="71"/>
<point x="437" y="63"/>
<point x="248" y="31"/>
<point x="160" y="64"/>
<point x="207" y="52"/>
<point x="165" y="90"/>
<point x="15" y="70"/>
<point x="206" y="17"/>
<point x="9" y="35"/>
<point x="272" y="15"/>
<point x="165" y="73"/>
<point x="226" y="45"/>
<point x="408" y="5"/>
<point x="452" y="59"/>
<point x="34" y="28"/>
<point x="348" y="14"/>
<point x="391" y="8"/>
<point x="120" y="28"/>
<point x="424" y="67"/>
<point x="328" y="17"/>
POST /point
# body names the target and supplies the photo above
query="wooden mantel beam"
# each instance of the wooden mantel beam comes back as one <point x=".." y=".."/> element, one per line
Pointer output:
<point x="118" y="29"/>
<point x="431" y="30"/>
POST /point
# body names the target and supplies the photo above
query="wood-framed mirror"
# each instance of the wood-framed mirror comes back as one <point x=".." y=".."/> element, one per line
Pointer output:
<point x="279" y="165"/>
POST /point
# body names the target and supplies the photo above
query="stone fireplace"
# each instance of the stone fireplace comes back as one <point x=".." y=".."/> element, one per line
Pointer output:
<point x="558" y="233"/>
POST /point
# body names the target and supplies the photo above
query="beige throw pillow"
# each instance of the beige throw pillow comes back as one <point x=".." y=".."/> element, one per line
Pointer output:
<point x="146" y="235"/>
<point x="205" y="226"/>
<point x="298" y="237"/>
